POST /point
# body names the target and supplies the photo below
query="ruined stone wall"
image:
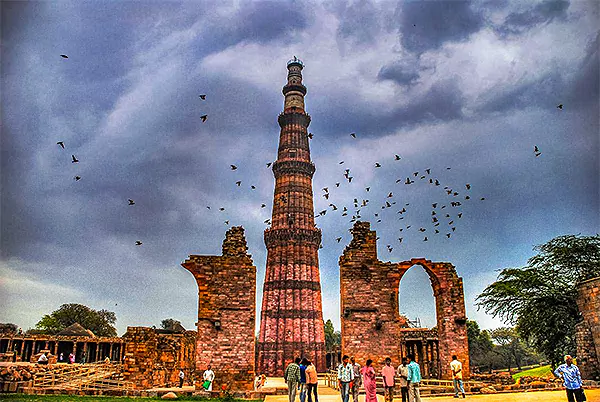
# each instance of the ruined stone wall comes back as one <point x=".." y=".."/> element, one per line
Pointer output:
<point x="226" y="313"/>
<point x="588" y="331"/>
<point x="153" y="359"/>
<point x="371" y="323"/>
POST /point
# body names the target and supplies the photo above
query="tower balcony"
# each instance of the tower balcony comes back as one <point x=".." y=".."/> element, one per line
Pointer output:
<point x="285" y="119"/>
<point x="293" y="167"/>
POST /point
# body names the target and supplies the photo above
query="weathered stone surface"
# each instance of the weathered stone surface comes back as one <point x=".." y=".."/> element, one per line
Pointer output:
<point x="226" y="313"/>
<point x="291" y="323"/>
<point x="372" y="327"/>
<point x="587" y="333"/>
<point x="169" y="395"/>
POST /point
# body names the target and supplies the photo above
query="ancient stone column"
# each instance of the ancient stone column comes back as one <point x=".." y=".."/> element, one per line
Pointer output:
<point x="292" y="315"/>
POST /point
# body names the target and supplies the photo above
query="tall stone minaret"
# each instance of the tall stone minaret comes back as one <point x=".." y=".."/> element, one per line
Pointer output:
<point x="292" y="313"/>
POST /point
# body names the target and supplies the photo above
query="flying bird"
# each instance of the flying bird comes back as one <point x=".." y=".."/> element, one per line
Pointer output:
<point x="239" y="183"/>
<point x="263" y="205"/>
<point x="138" y="243"/>
<point x="337" y="184"/>
<point x="353" y="135"/>
<point x="338" y="239"/>
<point x="233" y="167"/>
<point x="227" y="222"/>
<point x="560" y="106"/>
<point x="75" y="160"/>
<point x="425" y="239"/>
<point x="468" y="186"/>
<point x="204" y="117"/>
<point x="221" y="209"/>
<point x="536" y="150"/>
<point x="253" y="187"/>
<point x="77" y="178"/>
<point x="310" y="136"/>
<point x="64" y="56"/>
<point x="377" y="165"/>
<point x="397" y="157"/>
<point x="269" y="164"/>
<point x="203" y="96"/>
<point x="62" y="144"/>
<point x="131" y="202"/>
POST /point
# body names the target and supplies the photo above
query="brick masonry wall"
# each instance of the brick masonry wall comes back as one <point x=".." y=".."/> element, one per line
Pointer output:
<point x="371" y="323"/>
<point x="226" y="313"/>
<point x="153" y="359"/>
<point x="588" y="331"/>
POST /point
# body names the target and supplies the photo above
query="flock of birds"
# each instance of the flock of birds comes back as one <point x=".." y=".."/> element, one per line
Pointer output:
<point x="443" y="220"/>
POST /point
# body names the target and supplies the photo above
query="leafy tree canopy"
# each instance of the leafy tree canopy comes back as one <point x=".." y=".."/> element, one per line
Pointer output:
<point x="9" y="328"/>
<point x="171" y="324"/>
<point x="333" y="338"/>
<point x="540" y="298"/>
<point x="100" y="322"/>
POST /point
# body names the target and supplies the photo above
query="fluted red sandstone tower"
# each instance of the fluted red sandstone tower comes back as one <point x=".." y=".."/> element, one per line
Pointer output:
<point x="292" y="314"/>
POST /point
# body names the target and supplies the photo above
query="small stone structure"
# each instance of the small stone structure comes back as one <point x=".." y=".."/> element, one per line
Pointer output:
<point x="226" y="314"/>
<point x="372" y="327"/>
<point x="154" y="357"/>
<point x="588" y="330"/>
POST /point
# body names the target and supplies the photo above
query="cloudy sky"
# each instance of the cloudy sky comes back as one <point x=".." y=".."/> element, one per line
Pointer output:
<point x="470" y="86"/>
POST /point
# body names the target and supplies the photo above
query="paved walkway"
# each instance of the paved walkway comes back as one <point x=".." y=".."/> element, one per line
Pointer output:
<point x="327" y="394"/>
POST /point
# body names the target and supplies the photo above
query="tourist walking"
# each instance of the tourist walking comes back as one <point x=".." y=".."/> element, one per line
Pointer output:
<point x="312" y="381"/>
<point x="402" y="374"/>
<point x="71" y="358"/>
<point x="369" y="383"/>
<point x="292" y="378"/>
<point x="571" y="376"/>
<point x="357" y="380"/>
<point x="414" y="380"/>
<point x="388" y="373"/>
<point x="208" y="376"/>
<point x="181" y="377"/>
<point x="457" y="381"/>
<point x="303" y="364"/>
<point x="345" y="377"/>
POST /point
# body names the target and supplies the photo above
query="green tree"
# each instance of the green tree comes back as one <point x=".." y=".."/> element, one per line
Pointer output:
<point x="510" y="347"/>
<point x="100" y="322"/>
<point x="540" y="298"/>
<point x="169" y="323"/>
<point x="480" y="346"/>
<point x="333" y="338"/>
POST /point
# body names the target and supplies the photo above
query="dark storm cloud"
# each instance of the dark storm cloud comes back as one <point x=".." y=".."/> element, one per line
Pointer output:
<point x="586" y="86"/>
<point x="542" y="13"/>
<point x="359" y="22"/>
<point x="403" y="72"/>
<point x="426" y="25"/>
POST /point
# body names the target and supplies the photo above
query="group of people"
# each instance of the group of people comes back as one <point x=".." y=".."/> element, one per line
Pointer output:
<point x="351" y="376"/>
<point x="301" y="375"/>
<point x="208" y="377"/>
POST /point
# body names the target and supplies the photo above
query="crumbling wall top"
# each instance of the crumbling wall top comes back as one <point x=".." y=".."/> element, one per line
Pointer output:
<point x="235" y="244"/>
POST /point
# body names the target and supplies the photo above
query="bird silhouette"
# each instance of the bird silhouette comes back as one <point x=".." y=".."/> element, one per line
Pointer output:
<point x="536" y="150"/>
<point x="367" y="188"/>
<point x="77" y="178"/>
<point x="310" y="136"/>
<point x="338" y="239"/>
<point x="131" y="202"/>
<point x="233" y="167"/>
<point x="337" y="184"/>
<point x="239" y="183"/>
<point x="227" y="222"/>
<point x="377" y="165"/>
<point x="221" y="209"/>
<point x="207" y="207"/>
<point x="468" y="186"/>
<point x="204" y="117"/>
<point x="138" y="243"/>
<point x="353" y="135"/>
<point x="269" y="164"/>
<point x="425" y="239"/>
<point x="263" y="205"/>
<point x="75" y="160"/>
<point x="560" y="106"/>
<point x="397" y="157"/>
<point x="62" y="144"/>
<point x="203" y="96"/>
<point x="428" y="171"/>
<point x="64" y="56"/>
<point x="253" y="187"/>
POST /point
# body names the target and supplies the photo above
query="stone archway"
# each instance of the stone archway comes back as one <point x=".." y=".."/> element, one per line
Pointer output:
<point x="371" y="324"/>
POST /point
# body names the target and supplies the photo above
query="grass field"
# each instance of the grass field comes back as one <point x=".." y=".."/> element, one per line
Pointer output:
<point x="543" y="371"/>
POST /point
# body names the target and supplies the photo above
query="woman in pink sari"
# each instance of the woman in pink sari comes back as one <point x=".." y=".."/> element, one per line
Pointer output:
<point x="368" y="375"/>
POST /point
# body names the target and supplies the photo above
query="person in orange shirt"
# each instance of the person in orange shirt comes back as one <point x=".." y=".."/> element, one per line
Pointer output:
<point x="388" y="372"/>
<point x="311" y="381"/>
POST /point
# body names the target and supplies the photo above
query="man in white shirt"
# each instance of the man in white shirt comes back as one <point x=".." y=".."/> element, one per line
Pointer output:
<point x="456" y="368"/>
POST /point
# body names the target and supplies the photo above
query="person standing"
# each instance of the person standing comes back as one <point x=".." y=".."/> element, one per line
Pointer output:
<point x="388" y="373"/>
<point x="181" y="377"/>
<point x="414" y="379"/>
<point x="357" y="380"/>
<point x="208" y="376"/>
<point x="456" y="368"/>
<point x="292" y="378"/>
<point x="345" y="377"/>
<point x="571" y="376"/>
<point x="71" y="358"/>
<point x="42" y="359"/>
<point x="369" y="383"/>
<point x="303" y="365"/>
<point x="402" y="374"/>
<point x="312" y="381"/>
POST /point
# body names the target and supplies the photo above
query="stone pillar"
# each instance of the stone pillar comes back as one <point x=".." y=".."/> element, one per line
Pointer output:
<point x="588" y="330"/>
<point x="226" y="313"/>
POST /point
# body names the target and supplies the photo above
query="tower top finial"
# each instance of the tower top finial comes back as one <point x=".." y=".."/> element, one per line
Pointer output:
<point x="295" y="60"/>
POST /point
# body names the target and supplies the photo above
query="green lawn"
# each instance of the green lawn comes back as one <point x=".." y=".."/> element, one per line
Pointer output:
<point x="543" y="371"/>
<point x="73" y="398"/>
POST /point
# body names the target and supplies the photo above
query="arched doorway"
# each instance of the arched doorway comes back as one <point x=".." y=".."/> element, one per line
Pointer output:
<point x="371" y="324"/>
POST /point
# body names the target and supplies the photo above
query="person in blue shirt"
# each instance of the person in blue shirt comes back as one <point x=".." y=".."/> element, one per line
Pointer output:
<point x="414" y="379"/>
<point x="303" y="365"/>
<point x="572" y="380"/>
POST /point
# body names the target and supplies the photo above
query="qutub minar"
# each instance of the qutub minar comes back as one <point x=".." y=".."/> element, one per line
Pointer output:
<point x="291" y="322"/>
